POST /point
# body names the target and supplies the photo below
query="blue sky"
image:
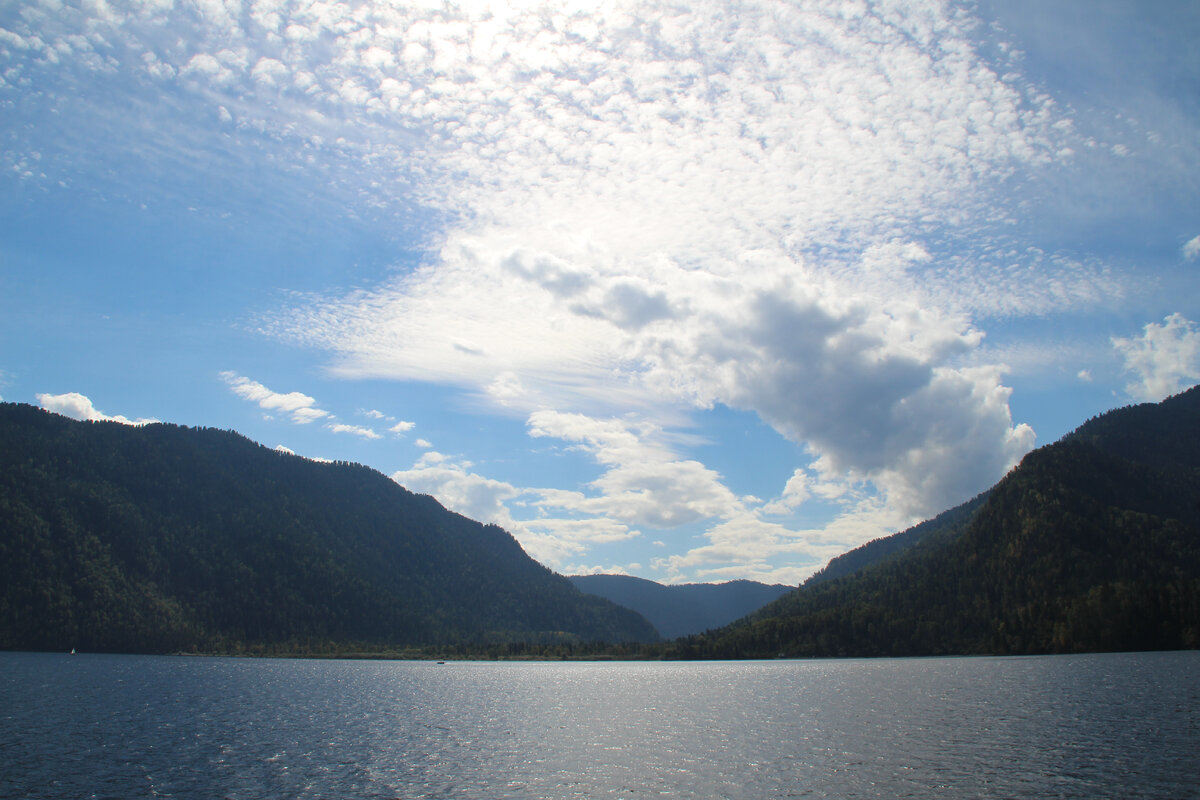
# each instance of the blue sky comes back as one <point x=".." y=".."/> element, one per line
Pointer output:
<point x="692" y="292"/>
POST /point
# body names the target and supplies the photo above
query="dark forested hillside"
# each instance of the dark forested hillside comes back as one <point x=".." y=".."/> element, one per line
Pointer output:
<point x="165" y="538"/>
<point x="1090" y="544"/>
<point x="682" y="609"/>
<point x="928" y="534"/>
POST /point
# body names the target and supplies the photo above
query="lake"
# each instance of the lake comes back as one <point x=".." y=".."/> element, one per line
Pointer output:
<point x="1093" y="726"/>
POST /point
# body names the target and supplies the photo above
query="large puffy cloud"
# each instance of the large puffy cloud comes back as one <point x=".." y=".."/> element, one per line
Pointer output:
<point x="873" y="388"/>
<point x="1164" y="360"/>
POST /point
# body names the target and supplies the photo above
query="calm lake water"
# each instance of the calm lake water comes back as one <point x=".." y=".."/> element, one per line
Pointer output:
<point x="1118" y="726"/>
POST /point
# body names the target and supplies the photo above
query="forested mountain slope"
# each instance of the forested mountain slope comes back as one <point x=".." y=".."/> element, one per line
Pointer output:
<point x="927" y="534"/>
<point x="165" y="538"/>
<point x="1090" y="544"/>
<point x="682" y="609"/>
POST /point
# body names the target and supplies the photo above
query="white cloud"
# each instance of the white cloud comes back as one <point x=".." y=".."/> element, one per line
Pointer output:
<point x="300" y="407"/>
<point x="431" y="458"/>
<point x="797" y="489"/>
<point x="1164" y="360"/>
<point x="398" y="427"/>
<point x="423" y="443"/>
<point x="270" y="71"/>
<point x="458" y="489"/>
<point x="746" y="546"/>
<point x="703" y="212"/>
<point x="78" y="406"/>
<point x="595" y="569"/>
<point x="644" y="483"/>
<point x="289" y="451"/>
<point x="484" y="499"/>
<point x="1191" y="250"/>
<point x="551" y="540"/>
<point x="354" y="430"/>
<point x="952" y="439"/>
<point x="737" y="204"/>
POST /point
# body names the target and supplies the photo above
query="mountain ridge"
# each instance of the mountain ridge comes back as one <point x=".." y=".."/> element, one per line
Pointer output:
<point x="680" y="609"/>
<point x="1090" y="543"/>
<point x="163" y="538"/>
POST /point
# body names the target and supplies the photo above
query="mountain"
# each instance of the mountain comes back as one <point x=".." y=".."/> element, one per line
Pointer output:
<point x="164" y="538"/>
<point x="936" y="529"/>
<point x="1091" y="544"/>
<point x="682" y="609"/>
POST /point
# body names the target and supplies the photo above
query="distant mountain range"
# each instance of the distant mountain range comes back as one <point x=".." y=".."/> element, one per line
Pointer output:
<point x="682" y="609"/>
<point x="163" y="538"/>
<point x="1091" y="544"/>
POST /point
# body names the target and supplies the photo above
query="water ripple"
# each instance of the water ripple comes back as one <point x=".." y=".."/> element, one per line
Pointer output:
<point x="1123" y="725"/>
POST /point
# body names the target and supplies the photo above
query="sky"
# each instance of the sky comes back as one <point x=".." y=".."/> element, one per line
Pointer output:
<point x="688" y="291"/>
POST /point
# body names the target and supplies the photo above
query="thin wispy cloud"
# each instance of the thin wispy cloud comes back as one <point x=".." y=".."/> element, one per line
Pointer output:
<point x="354" y="430"/>
<point x="299" y="407"/>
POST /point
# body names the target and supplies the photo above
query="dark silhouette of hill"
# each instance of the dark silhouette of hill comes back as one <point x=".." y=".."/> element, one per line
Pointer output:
<point x="164" y="538"/>
<point x="1091" y="544"/>
<point x="682" y="609"/>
